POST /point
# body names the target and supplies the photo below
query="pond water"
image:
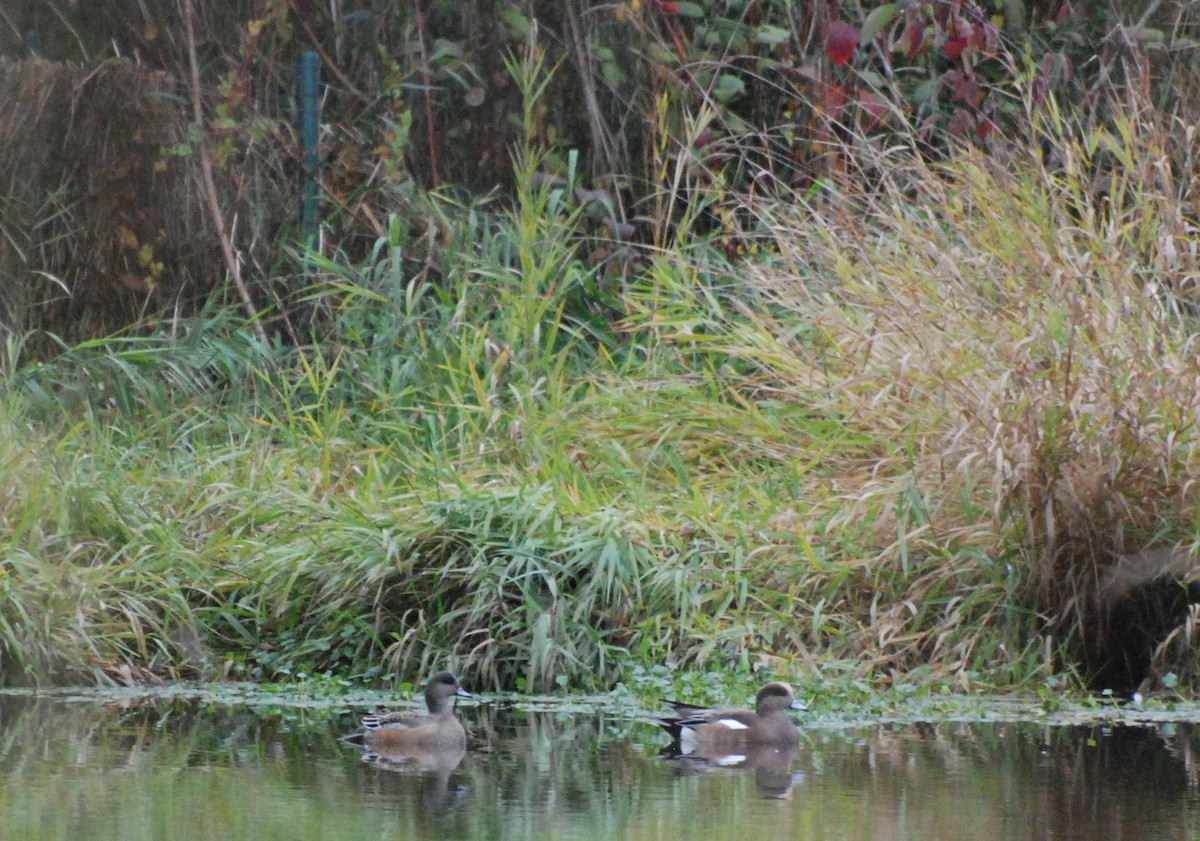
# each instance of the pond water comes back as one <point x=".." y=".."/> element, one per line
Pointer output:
<point x="150" y="767"/>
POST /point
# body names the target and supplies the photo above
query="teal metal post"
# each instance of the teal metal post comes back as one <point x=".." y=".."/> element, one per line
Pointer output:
<point x="310" y="94"/>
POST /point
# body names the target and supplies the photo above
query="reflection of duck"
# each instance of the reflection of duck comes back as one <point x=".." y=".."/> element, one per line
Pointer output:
<point x="416" y="760"/>
<point x="771" y="764"/>
<point x="433" y="766"/>
<point x="724" y="730"/>
<point x="409" y="730"/>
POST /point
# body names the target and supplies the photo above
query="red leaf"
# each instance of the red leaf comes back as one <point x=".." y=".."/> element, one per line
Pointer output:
<point x="964" y="87"/>
<point x="913" y="36"/>
<point x="1037" y="92"/>
<point x="988" y="37"/>
<point x="961" y="123"/>
<point x="985" y="129"/>
<point x="1068" y="69"/>
<point x="834" y="100"/>
<point x="840" y="42"/>
<point x="942" y="10"/>
<point x="954" y="47"/>
<point x="1057" y="69"/>
<point x="872" y="107"/>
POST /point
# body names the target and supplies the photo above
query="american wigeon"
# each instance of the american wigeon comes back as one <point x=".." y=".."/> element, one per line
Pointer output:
<point x="437" y="729"/>
<point x="766" y="724"/>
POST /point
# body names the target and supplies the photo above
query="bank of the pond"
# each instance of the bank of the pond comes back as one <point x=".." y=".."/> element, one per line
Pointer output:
<point x="830" y="707"/>
<point x="958" y="444"/>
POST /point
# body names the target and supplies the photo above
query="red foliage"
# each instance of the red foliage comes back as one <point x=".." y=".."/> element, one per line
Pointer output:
<point x="1038" y="90"/>
<point x="872" y="106"/>
<point x="960" y="34"/>
<point x="964" y="87"/>
<point x="953" y="48"/>
<point x="834" y="100"/>
<point x="965" y="28"/>
<point x="912" y="38"/>
<point x="961" y="124"/>
<point x="1057" y="68"/>
<point x="988" y="37"/>
<point x="840" y="42"/>
<point x="984" y="129"/>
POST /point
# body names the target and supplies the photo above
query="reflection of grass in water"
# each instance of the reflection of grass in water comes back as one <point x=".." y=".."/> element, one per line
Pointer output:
<point x="170" y="771"/>
<point x="185" y="771"/>
<point x="166" y="770"/>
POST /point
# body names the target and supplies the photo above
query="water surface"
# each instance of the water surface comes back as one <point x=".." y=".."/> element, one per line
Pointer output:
<point x="156" y="768"/>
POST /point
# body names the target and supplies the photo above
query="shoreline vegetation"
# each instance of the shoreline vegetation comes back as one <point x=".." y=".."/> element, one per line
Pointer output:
<point x="932" y="422"/>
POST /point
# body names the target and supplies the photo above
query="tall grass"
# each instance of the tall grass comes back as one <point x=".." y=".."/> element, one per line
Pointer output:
<point x="510" y="498"/>
<point x="907" y="435"/>
<point x="1013" y="345"/>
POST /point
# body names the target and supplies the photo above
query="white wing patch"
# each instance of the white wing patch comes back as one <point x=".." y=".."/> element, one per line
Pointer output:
<point x="732" y="724"/>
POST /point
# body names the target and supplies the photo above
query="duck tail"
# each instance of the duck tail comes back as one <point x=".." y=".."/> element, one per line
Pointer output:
<point x="357" y="737"/>
<point x="673" y="726"/>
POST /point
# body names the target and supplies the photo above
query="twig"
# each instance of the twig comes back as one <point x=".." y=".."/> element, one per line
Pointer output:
<point x="348" y="85"/>
<point x="210" y="186"/>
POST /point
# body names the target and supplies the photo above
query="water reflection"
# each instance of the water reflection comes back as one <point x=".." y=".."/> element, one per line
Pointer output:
<point x="771" y="767"/>
<point x="170" y="769"/>
<point x="433" y="768"/>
